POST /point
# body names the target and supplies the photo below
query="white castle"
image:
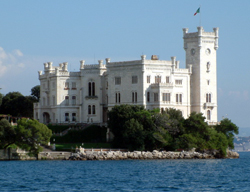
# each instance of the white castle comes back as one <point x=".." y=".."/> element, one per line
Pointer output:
<point x="87" y="95"/>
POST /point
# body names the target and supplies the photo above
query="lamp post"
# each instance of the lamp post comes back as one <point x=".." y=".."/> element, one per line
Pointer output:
<point x="54" y="144"/>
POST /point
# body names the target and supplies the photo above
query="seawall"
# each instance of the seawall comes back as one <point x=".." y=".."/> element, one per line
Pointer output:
<point x="118" y="155"/>
<point x="81" y="154"/>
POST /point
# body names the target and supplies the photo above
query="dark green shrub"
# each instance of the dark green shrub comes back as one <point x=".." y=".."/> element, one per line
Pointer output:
<point x="91" y="134"/>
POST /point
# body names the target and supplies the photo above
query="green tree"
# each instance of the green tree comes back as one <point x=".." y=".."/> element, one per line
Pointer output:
<point x="196" y="132"/>
<point x="169" y="127"/>
<point x="15" y="104"/>
<point x="10" y="103"/>
<point x="35" y="92"/>
<point x="217" y="141"/>
<point x="30" y="134"/>
<point x="120" y="123"/>
<point x="229" y="129"/>
<point x="7" y="134"/>
<point x="134" y="135"/>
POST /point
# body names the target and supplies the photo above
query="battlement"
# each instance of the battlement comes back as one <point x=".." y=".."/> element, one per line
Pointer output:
<point x="200" y="36"/>
<point x="200" y="33"/>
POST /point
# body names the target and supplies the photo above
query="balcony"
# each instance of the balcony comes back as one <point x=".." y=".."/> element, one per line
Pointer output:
<point x="91" y="97"/>
<point x="166" y="85"/>
<point x="209" y="105"/>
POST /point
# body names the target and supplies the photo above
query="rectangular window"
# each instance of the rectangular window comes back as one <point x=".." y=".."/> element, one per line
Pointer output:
<point x="166" y="97"/>
<point x="73" y="85"/>
<point x="167" y="79"/>
<point x="89" y="109"/>
<point x="93" y="109"/>
<point x="178" y="82"/>
<point x="73" y="100"/>
<point x="148" y="79"/>
<point x="134" y="79"/>
<point x="134" y="97"/>
<point x="179" y="98"/>
<point x="158" y="79"/>
<point x="148" y="96"/>
<point x="117" y="80"/>
<point x="117" y="97"/>
<point x="156" y="97"/>
<point x="66" y="100"/>
<point x="73" y="116"/>
<point x="66" y="116"/>
<point x="66" y="86"/>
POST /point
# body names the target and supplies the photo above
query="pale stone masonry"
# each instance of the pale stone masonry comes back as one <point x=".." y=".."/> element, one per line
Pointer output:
<point x="87" y="95"/>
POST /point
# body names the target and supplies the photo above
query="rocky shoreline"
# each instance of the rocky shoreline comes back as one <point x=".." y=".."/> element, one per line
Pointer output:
<point x="118" y="155"/>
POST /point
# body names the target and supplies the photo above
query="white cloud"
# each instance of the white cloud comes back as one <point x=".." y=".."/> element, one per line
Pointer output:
<point x="18" y="52"/>
<point x="21" y="65"/>
<point x="10" y="61"/>
<point x="3" y="55"/>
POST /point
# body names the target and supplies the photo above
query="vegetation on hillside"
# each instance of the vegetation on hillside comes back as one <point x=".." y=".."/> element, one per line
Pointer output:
<point x="17" y="105"/>
<point x="136" y="128"/>
<point x="91" y="134"/>
<point x="28" y="135"/>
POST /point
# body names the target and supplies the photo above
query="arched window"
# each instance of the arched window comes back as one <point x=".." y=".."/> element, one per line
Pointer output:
<point x="89" y="109"/>
<point x="208" y="115"/>
<point x="89" y="88"/>
<point x="93" y="109"/>
<point x="208" y="97"/>
<point x="158" y="79"/>
<point x="93" y="88"/>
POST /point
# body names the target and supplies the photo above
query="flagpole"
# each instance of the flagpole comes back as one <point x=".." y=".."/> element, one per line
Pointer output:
<point x="200" y="15"/>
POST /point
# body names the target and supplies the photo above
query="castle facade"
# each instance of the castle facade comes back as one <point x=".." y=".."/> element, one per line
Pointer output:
<point x="87" y="95"/>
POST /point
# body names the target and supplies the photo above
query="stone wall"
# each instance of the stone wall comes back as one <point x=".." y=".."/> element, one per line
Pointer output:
<point x="118" y="155"/>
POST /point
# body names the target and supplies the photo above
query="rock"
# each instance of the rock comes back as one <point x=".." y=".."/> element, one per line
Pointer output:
<point x="232" y="154"/>
<point x="118" y="155"/>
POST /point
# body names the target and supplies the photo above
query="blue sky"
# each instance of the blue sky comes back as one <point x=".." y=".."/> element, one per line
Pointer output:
<point x="34" y="32"/>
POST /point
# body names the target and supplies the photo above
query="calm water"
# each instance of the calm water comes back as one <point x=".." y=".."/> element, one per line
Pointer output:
<point x="130" y="175"/>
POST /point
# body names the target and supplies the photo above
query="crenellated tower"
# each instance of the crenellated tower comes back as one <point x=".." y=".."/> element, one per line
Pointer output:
<point x="201" y="48"/>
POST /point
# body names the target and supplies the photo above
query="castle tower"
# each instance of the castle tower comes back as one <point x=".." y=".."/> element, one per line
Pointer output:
<point x="201" y="50"/>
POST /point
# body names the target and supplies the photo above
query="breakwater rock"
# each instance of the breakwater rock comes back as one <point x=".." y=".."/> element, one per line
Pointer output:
<point x="118" y="155"/>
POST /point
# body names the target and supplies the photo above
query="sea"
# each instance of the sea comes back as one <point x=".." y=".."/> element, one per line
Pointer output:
<point x="127" y="175"/>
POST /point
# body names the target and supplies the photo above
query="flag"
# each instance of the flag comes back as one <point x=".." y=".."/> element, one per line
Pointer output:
<point x="198" y="11"/>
